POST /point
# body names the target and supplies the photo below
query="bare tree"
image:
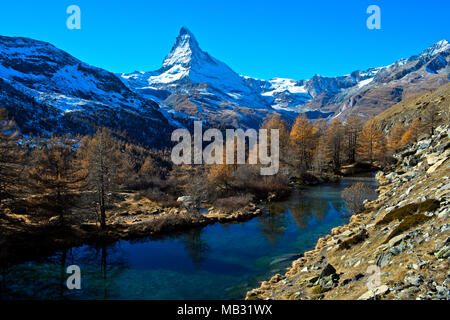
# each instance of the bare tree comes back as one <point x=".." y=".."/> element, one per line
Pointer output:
<point x="53" y="172"/>
<point x="103" y="163"/>
<point x="355" y="195"/>
<point x="430" y="118"/>
<point x="11" y="157"/>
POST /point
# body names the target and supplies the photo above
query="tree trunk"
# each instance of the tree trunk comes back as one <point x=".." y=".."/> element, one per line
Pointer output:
<point x="102" y="209"/>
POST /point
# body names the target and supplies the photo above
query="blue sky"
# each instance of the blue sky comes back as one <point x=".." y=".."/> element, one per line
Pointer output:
<point x="264" y="39"/>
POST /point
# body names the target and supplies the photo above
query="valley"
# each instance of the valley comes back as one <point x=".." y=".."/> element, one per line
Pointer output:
<point x="87" y="174"/>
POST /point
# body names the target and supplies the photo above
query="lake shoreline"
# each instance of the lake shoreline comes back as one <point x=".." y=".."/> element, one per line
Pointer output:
<point x="401" y="238"/>
<point x="34" y="242"/>
<point x="30" y="242"/>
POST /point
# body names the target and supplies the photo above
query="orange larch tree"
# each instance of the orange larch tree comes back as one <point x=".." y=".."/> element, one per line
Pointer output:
<point x="335" y="143"/>
<point x="412" y="134"/>
<point x="372" y="142"/>
<point x="302" y="143"/>
<point x="395" y="137"/>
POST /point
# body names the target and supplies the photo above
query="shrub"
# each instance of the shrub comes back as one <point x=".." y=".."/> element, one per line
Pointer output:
<point x="319" y="290"/>
<point x="273" y="184"/>
<point x="360" y="237"/>
<point x="355" y="195"/>
<point x="170" y="223"/>
<point x="429" y="205"/>
<point x="163" y="200"/>
<point x="234" y="203"/>
<point x="407" y="223"/>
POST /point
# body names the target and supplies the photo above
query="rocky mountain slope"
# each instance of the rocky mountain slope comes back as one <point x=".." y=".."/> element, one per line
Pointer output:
<point x="398" y="248"/>
<point x="193" y="84"/>
<point x="48" y="91"/>
<point x="417" y="106"/>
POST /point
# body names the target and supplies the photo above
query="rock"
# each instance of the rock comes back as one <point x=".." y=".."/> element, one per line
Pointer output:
<point x="408" y="292"/>
<point x="347" y="233"/>
<point x="443" y="253"/>
<point x="391" y="176"/>
<point x="416" y="280"/>
<point x="53" y="220"/>
<point x="311" y="281"/>
<point x="397" y="249"/>
<point x="328" y="277"/>
<point x="271" y="196"/>
<point x="372" y="294"/>
<point x="396" y="240"/>
<point x="410" y="161"/>
<point x="327" y="271"/>
<point x="408" y="176"/>
<point x="435" y="166"/>
<point x="383" y="259"/>
<point x="423" y="144"/>
<point x="432" y="158"/>
<point x="186" y="200"/>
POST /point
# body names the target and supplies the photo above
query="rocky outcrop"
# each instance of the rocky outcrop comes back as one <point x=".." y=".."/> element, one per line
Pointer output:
<point x="405" y="250"/>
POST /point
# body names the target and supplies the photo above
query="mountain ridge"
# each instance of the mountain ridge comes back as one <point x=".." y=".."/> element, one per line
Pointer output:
<point x="188" y="83"/>
<point x="48" y="91"/>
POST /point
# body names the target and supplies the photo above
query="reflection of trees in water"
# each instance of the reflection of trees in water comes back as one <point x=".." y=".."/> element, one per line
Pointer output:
<point x="195" y="246"/>
<point x="274" y="224"/>
<point x="301" y="212"/>
<point x="320" y="207"/>
<point x="3" y="287"/>
<point x="46" y="278"/>
<point x="106" y="264"/>
<point x="303" y="209"/>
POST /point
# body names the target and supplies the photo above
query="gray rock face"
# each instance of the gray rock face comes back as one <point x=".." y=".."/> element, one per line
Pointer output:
<point x="384" y="259"/>
<point x="328" y="277"/>
<point x="415" y="280"/>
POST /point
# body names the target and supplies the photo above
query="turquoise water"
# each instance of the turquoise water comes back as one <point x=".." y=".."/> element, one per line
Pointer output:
<point x="220" y="261"/>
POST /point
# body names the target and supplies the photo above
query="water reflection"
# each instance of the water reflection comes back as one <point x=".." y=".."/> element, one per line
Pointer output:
<point x="215" y="262"/>
<point x="46" y="278"/>
<point x="195" y="246"/>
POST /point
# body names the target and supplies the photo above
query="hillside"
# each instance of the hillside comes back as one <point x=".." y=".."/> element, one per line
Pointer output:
<point x="416" y="106"/>
<point x="402" y="236"/>
<point x="48" y="91"/>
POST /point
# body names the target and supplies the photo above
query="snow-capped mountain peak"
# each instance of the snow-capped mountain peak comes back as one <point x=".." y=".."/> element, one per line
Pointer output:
<point x="194" y="83"/>
<point x="437" y="48"/>
<point x="184" y="51"/>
